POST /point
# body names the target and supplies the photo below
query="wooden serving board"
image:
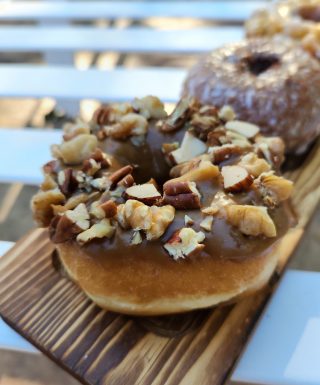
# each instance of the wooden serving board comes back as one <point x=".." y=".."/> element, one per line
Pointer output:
<point x="100" y="347"/>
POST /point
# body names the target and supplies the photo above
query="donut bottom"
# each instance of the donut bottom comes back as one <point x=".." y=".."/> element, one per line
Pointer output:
<point x="139" y="294"/>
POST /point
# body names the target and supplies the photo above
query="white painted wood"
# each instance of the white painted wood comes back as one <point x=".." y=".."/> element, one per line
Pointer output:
<point x="119" y="84"/>
<point x="285" y="347"/>
<point x="214" y="10"/>
<point x="134" y="39"/>
<point x="9" y="339"/>
<point x="28" y="150"/>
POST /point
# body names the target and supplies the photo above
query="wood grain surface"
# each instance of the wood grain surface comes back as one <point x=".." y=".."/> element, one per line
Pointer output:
<point x="105" y="348"/>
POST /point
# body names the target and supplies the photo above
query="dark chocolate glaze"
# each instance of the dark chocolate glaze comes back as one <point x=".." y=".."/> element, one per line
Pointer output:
<point x="272" y="83"/>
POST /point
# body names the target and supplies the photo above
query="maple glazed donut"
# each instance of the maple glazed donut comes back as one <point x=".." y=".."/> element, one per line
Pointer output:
<point x="202" y="230"/>
<point x="274" y="84"/>
<point x="298" y="20"/>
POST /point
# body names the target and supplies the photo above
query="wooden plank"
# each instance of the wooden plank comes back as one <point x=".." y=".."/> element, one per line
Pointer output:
<point x="120" y="84"/>
<point x="57" y="10"/>
<point x="129" y="40"/>
<point x="101" y="347"/>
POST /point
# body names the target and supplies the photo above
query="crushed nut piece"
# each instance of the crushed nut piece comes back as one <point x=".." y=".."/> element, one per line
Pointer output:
<point x="136" y="238"/>
<point x="236" y="178"/>
<point x="251" y="220"/>
<point x="184" y="243"/>
<point x="76" y="150"/>
<point x="67" y="181"/>
<point x="204" y="171"/>
<point x="224" y="152"/>
<point x="188" y="221"/>
<point x="219" y="202"/>
<point x="149" y="107"/>
<point x="41" y="205"/>
<point x="273" y="188"/>
<point x="181" y="195"/>
<point x="168" y="147"/>
<point x="48" y="184"/>
<point x="180" y="115"/>
<point x="101" y="184"/>
<point x="51" y="167"/>
<point x="243" y="128"/>
<point x="146" y="193"/>
<point x="73" y="129"/>
<point x="190" y="148"/>
<point x="271" y="148"/>
<point x="96" y="210"/>
<point x="206" y="223"/>
<point x="130" y="124"/>
<point x="102" y="229"/>
<point x="110" y="208"/>
<point x="120" y="174"/>
<point x="227" y="113"/>
<point x="254" y="165"/>
<point x="90" y="166"/>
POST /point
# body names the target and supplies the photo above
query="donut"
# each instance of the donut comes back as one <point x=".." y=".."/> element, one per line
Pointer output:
<point x="205" y="232"/>
<point x="296" y="19"/>
<point x="269" y="82"/>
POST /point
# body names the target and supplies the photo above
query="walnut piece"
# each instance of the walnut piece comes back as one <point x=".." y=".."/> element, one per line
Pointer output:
<point x="48" y="183"/>
<point x="179" y="115"/>
<point x="41" y="205"/>
<point x="152" y="220"/>
<point x="73" y="129"/>
<point x="184" y="243"/>
<point x="102" y="229"/>
<point x="251" y="220"/>
<point x="254" y="165"/>
<point x="76" y="150"/>
<point x="149" y="107"/>
<point x="128" y="125"/>
<point x="273" y="188"/>
<point x="236" y="178"/>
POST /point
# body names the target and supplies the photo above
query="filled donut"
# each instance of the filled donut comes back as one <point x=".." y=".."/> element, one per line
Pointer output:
<point x="199" y="230"/>
<point x="296" y="19"/>
<point x="269" y="82"/>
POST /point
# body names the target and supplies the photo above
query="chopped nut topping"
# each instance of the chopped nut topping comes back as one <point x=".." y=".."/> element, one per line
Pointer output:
<point x="41" y="205"/>
<point x="118" y="175"/>
<point x="48" y="184"/>
<point x="76" y="150"/>
<point x="188" y="221"/>
<point x="251" y="220"/>
<point x="206" y="223"/>
<point x="236" y="178"/>
<point x="224" y="152"/>
<point x="185" y="167"/>
<point x="217" y="137"/>
<point x="219" y="202"/>
<point x="146" y="193"/>
<point x="238" y="140"/>
<point x="271" y="148"/>
<point x="153" y="220"/>
<point x="67" y="181"/>
<point x="103" y="229"/>
<point x="79" y="216"/>
<point x="180" y="115"/>
<point x="243" y="128"/>
<point x="109" y="208"/>
<point x="181" y="195"/>
<point x="108" y="114"/>
<point x="254" y="165"/>
<point x="203" y="124"/>
<point x="149" y="107"/>
<point x="90" y="166"/>
<point x="96" y="210"/>
<point x="70" y="204"/>
<point x="130" y="124"/>
<point x="227" y="113"/>
<point x="101" y="184"/>
<point x="169" y="147"/>
<point x="136" y="238"/>
<point x="190" y="148"/>
<point x="184" y="243"/>
<point x="73" y="129"/>
<point x="204" y="171"/>
<point x="51" y="167"/>
<point x="273" y="188"/>
<point x="126" y="181"/>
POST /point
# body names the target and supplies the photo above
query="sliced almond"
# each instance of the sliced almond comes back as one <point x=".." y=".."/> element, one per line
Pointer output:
<point x="236" y="178"/>
<point x="146" y="193"/>
<point x="190" y="148"/>
<point x="243" y="128"/>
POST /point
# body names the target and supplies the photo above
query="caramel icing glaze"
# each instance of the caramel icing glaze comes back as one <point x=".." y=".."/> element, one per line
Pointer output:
<point x="272" y="83"/>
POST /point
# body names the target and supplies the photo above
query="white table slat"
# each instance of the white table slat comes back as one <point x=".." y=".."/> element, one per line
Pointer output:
<point x="285" y="347"/>
<point x="57" y="10"/>
<point x="135" y="39"/>
<point x="111" y="85"/>
<point x="9" y="339"/>
<point x="27" y="150"/>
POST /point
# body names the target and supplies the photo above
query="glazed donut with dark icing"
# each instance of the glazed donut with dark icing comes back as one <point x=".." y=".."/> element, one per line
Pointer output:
<point x="269" y="82"/>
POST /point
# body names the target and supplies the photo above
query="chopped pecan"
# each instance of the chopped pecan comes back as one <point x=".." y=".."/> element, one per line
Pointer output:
<point x="67" y="181"/>
<point x="251" y="220"/>
<point x="76" y="150"/>
<point x="149" y="107"/>
<point x="41" y="205"/>
<point x="71" y="203"/>
<point x="271" y="148"/>
<point x="118" y="175"/>
<point x="51" y="167"/>
<point x="152" y="220"/>
<point x="48" y="184"/>
<point x="226" y="113"/>
<point x="100" y="157"/>
<point x="146" y="193"/>
<point x="238" y="140"/>
<point x="102" y="229"/>
<point x="236" y="178"/>
<point x="90" y="167"/>
<point x="101" y="184"/>
<point x="202" y="125"/>
<point x="224" y="152"/>
<point x="73" y="129"/>
<point x="180" y="115"/>
<point x="184" y="243"/>
<point x="110" y="208"/>
<point x="243" y="128"/>
<point x="190" y="148"/>
<point x="219" y="202"/>
<point x="128" y="125"/>
<point x="217" y="137"/>
<point x="254" y="165"/>
<point x="102" y="114"/>
<point x="126" y="181"/>
<point x="181" y="195"/>
<point x="274" y="189"/>
<point x="204" y="171"/>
